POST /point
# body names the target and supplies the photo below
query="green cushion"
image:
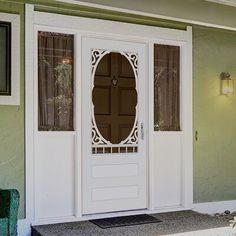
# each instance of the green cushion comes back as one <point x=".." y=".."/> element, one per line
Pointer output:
<point x="3" y="226"/>
<point x="9" y="203"/>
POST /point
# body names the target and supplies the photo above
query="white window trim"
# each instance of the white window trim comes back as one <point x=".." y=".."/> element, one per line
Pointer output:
<point x="14" y="98"/>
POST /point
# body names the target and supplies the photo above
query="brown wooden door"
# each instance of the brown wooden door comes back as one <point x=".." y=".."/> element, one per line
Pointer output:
<point x="114" y="97"/>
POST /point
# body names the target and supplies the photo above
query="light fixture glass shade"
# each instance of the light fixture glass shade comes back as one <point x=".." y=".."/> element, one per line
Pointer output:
<point x="226" y="83"/>
<point x="227" y="86"/>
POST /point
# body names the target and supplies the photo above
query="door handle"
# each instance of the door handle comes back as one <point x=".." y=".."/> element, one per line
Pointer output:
<point x="142" y="131"/>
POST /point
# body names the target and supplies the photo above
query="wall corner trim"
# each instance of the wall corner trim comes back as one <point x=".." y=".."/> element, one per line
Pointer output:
<point x="29" y="125"/>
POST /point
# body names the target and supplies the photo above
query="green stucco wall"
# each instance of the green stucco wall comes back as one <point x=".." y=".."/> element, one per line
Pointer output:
<point x="214" y="51"/>
<point x="12" y="126"/>
<point x="214" y="115"/>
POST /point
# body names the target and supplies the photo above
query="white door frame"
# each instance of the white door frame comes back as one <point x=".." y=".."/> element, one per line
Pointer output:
<point x="117" y="30"/>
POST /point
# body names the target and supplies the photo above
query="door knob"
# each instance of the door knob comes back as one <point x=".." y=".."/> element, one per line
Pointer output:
<point x="114" y="82"/>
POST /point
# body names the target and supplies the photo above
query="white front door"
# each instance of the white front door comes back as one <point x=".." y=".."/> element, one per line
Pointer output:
<point x="114" y="121"/>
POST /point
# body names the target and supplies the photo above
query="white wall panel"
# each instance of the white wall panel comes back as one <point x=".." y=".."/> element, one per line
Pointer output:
<point x="54" y="174"/>
<point x="167" y="169"/>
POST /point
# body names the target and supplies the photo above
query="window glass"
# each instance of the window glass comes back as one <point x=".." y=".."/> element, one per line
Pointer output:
<point x="114" y="97"/>
<point x="5" y="58"/>
<point x="166" y="88"/>
<point x="55" y="81"/>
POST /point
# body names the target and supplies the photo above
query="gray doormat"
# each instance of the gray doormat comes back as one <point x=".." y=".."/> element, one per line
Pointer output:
<point x="125" y="221"/>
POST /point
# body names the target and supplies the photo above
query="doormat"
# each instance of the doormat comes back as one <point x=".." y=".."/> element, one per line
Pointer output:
<point x="125" y="221"/>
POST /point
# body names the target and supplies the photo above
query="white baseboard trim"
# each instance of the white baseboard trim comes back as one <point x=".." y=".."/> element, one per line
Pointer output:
<point x="24" y="228"/>
<point x="215" y="207"/>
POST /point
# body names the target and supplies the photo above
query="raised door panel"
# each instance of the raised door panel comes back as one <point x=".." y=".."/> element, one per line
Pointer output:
<point x="102" y="100"/>
<point x="127" y="108"/>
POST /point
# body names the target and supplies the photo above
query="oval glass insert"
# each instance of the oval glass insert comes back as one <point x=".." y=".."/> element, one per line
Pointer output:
<point x="114" y="97"/>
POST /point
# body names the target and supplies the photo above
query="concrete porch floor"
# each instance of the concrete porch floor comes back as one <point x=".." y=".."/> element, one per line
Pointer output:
<point x="186" y="222"/>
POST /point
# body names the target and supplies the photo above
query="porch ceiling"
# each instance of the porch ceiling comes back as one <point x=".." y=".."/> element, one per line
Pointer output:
<point x="201" y="12"/>
<point x="224" y="2"/>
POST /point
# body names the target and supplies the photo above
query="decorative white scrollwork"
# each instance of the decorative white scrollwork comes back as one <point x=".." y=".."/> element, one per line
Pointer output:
<point x="133" y="59"/>
<point x="97" y="138"/>
<point x="97" y="55"/>
<point x="133" y="137"/>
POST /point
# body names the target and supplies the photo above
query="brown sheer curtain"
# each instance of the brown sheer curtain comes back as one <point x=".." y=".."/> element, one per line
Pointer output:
<point x="166" y="88"/>
<point x="55" y="81"/>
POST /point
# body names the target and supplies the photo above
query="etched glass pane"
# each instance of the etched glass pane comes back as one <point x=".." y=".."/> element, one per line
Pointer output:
<point x="166" y="88"/>
<point x="55" y="81"/>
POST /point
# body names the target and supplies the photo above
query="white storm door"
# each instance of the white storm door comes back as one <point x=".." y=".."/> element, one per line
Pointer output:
<point x="114" y="140"/>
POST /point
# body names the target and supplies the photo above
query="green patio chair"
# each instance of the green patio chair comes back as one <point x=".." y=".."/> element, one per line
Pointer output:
<point x="9" y="204"/>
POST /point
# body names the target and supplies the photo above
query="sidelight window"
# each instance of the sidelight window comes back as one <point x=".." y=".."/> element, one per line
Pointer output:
<point x="166" y="88"/>
<point x="55" y="81"/>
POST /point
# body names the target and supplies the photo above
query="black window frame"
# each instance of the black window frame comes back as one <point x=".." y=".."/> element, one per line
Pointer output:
<point x="7" y="91"/>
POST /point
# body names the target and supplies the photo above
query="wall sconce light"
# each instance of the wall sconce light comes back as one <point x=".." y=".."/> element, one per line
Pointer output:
<point x="227" y="84"/>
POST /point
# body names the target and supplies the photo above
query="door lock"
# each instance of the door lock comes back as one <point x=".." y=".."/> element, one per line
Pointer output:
<point x="142" y="131"/>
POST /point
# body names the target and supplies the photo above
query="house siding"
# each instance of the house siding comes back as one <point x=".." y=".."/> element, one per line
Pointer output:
<point x="214" y="51"/>
<point x="12" y="145"/>
<point x="214" y="115"/>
